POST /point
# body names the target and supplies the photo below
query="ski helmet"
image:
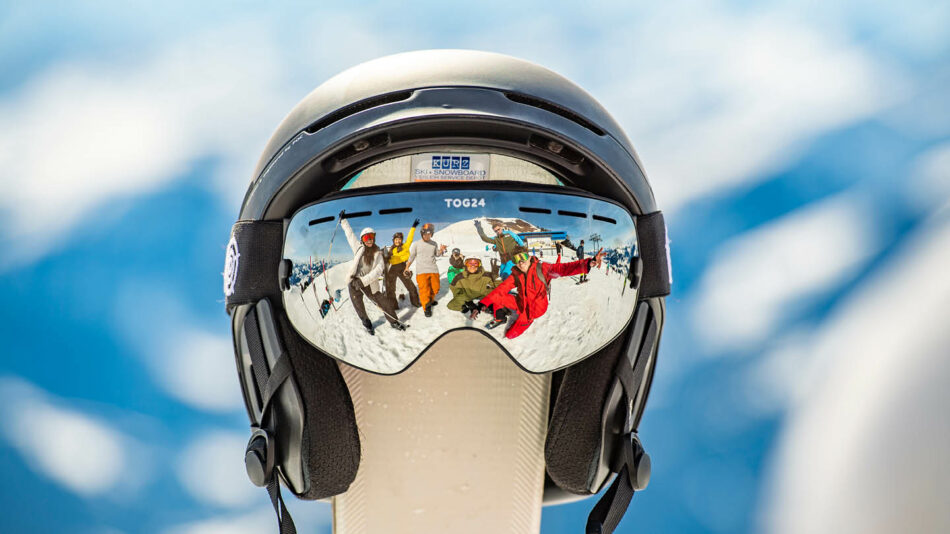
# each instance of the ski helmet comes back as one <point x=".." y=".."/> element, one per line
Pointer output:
<point x="399" y="235"/>
<point x="456" y="251"/>
<point x="366" y="231"/>
<point x="453" y="117"/>
<point x="428" y="228"/>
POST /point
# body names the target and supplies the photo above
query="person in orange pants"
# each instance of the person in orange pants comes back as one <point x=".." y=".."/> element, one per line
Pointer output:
<point x="429" y="286"/>
<point x="423" y="253"/>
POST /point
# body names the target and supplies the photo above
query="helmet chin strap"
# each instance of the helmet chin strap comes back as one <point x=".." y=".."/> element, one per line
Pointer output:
<point x="453" y="444"/>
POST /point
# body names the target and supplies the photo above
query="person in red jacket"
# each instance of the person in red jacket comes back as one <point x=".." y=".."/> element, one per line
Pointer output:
<point x="531" y="301"/>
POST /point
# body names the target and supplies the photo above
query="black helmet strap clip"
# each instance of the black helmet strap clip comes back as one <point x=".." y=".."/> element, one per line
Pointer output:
<point x="631" y="463"/>
<point x="259" y="457"/>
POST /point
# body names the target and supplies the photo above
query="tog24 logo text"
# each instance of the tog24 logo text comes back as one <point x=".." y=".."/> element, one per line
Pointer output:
<point x="464" y="202"/>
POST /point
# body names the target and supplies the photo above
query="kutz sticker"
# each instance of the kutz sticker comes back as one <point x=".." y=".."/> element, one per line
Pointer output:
<point x="435" y="167"/>
<point x="465" y="203"/>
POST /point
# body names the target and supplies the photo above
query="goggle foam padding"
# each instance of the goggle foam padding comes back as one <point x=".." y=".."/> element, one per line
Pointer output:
<point x="572" y="448"/>
<point x="331" y="443"/>
<point x="654" y="251"/>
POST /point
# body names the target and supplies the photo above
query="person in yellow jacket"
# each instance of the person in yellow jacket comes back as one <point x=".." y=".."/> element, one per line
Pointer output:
<point x="396" y="257"/>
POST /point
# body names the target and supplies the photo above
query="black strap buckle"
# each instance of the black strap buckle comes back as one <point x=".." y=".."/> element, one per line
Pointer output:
<point x="634" y="475"/>
<point x="259" y="457"/>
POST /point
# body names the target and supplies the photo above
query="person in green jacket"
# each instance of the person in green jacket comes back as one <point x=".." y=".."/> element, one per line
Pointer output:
<point x="506" y="243"/>
<point x="396" y="257"/>
<point x="472" y="283"/>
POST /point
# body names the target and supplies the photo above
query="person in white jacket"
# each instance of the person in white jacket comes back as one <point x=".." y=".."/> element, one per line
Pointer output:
<point x="365" y="275"/>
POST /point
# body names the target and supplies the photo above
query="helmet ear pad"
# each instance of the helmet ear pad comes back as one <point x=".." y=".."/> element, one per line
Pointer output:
<point x="572" y="448"/>
<point x="331" y="443"/>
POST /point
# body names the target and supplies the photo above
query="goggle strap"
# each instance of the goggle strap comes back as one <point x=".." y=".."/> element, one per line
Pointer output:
<point x="268" y="380"/>
<point x="255" y="266"/>
<point x="258" y="244"/>
<point x="611" y="507"/>
<point x="654" y="250"/>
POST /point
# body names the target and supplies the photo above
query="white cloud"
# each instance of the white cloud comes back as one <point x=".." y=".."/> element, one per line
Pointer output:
<point x="712" y="99"/>
<point x="769" y="385"/>
<point x="930" y="182"/>
<point x="211" y="469"/>
<point x="81" y="452"/>
<point x="757" y="277"/>
<point x="197" y="367"/>
<point x="864" y="449"/>
<point x="83" y="134"/>
<point x="189" y="362"/>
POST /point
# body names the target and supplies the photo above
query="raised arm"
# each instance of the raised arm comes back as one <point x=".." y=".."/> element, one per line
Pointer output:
<point x="481" y="233"/>
<point x="516" y="237"/>
<point x="568" y="269"/>
<point x="350" y="236"/>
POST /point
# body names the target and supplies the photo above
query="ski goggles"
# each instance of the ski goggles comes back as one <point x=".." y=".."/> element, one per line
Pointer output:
<point x="521" y="256"/>
<point x="553" y="320"/>
<point x="368" y="237"/>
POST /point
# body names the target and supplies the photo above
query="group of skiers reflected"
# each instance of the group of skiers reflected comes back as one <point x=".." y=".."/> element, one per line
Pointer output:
<point x="516" y="284"/>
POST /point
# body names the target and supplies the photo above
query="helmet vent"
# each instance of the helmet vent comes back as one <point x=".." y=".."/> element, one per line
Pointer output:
<point x="557" y="149"/>
<point x="338" y="159"/>
<point x="357" y="107"/>
<point x="558" y="110"/>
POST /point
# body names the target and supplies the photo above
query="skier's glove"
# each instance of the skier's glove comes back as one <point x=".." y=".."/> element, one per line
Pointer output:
<point x="478" y="308"/>
<point x="341" y="213"/>
<point x="469" y="307"/>
<point x="502" y="314"/>
<point x="415" y="223"/>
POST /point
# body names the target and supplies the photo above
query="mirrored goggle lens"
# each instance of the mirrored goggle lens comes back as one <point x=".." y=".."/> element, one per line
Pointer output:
<point x="368" y="237"/>
<point x="546" y="314"/>
<point x="473" y="262"/>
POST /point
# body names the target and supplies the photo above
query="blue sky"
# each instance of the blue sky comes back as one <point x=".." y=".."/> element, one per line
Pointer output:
<point x="800" y="151"/>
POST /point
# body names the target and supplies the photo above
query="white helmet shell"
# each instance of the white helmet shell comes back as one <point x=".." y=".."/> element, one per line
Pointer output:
<point x="367" y="230"/>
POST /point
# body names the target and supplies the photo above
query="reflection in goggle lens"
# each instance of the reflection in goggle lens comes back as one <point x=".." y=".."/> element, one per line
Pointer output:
<point x="344" y="299"/>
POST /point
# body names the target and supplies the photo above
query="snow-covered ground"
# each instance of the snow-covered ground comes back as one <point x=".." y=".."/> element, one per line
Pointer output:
<point x="580" y="318"/>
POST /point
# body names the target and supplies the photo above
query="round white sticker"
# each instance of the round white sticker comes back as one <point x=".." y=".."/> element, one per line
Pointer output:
<point x="231" y="267"/>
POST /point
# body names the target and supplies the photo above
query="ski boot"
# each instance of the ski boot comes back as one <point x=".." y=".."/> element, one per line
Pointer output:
<point x="369" y="327"/>
<point x="500" y="318"/>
